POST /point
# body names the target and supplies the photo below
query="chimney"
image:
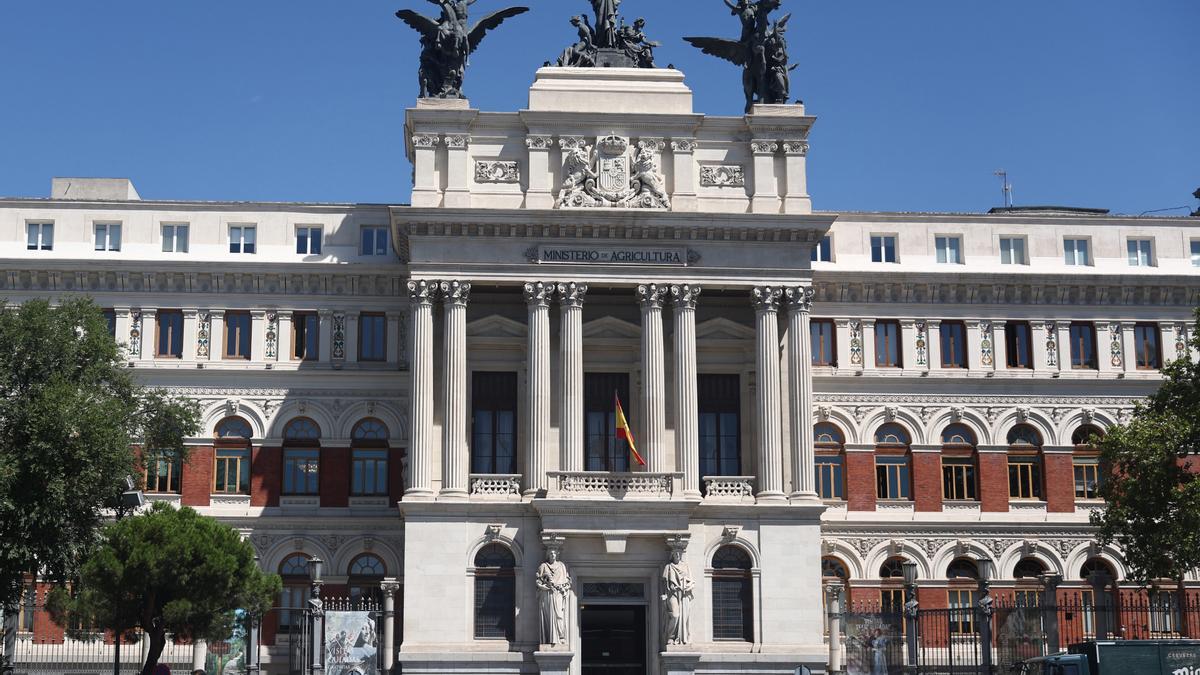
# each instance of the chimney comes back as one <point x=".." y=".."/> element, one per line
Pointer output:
<point x="94" y="189"/>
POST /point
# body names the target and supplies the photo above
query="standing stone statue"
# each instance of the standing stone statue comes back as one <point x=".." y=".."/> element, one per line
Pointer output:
<point x="447" y="44"/>
<point x="761" y="51"/>
<point x="608" y="42"/>
<point x="553" y="584"/>
<point x="677" y="588"/>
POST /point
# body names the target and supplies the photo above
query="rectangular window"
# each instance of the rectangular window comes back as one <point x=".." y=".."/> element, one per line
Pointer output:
<point x="720" y="416"/>
<point x="1027" y="598"/>
<point x="39" y="236"/>
<point x="830" y="477"/>
<point x="242" y="238"/>
<point x="1196" y="253"/>
<point x="823" y="251"/>
<point x="887" y="344"/>
<point x="1087" y="478"/>
<point x="1148" y="353"/>
<point x="231" y="474"/>
<point x="1164" y="614"/>
<point x="308" y="240"/>
<point x="301" y="471"/>
<point x="374" y="241"/>
<point x="1024" y="478"/>
<point x="733" y="608"/>
<point x="170" y="334"/>
<point x="824" y="342"/>
<point x="892" y="477"/>
<point x="494" y="423"/>
<point x="162" y="474"/>
<point x="954" y="344"/>
<point x="949" y="250"/>
<point x="891" y="600"/>
<point x="1075" y="252"/>
<point x="962" y="610"/>
<point x="28" y="607"/>
<point x="372" y="337"/>
<point x="108" y="236"/>
<point x="603" y="450"/>
<point x="306" y="336"/>
<point x="174" y="238"/>
<point x="1083" y="346"/>
<point x="1141" y="252"/>
<point x="292" y="602"/>
<point x="237" y="335"/>
<point x="958" y="480"/>
<point x="1012" y="251"/>
<point x="369" y="472"/>
<point x="883" y="249"/>
<point x="495" y="598"/>
<point x="1018" y="343"/>
<point x="110" y="318"/>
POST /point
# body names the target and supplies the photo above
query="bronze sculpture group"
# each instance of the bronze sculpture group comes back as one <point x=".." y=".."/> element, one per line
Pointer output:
<point x="447" y="44"/>
<point x="609" y="41"/>
<point x="761" y="51"/>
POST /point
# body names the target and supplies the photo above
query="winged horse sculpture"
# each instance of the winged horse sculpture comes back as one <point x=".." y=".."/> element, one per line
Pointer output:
<point x="447" y="44"/>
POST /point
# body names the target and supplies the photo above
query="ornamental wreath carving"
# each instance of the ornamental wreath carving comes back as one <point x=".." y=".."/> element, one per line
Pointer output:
<point x="722" y="176"/>
<point x="497" y="172"/>
<point x="613" y="174"/>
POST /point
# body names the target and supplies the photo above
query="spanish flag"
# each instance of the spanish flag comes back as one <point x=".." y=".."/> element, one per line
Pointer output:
<point x="624" y="432"/>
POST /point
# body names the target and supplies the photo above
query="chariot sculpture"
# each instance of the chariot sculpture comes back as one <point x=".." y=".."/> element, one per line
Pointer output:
<point x="609" y="41"/>
<point x="761" y="51"/>
<point x="447" y="44"/>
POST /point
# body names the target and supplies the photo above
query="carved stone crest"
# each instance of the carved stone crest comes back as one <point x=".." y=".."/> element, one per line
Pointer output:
<point x="613" y="174"/>
<point x="722" y="176"/>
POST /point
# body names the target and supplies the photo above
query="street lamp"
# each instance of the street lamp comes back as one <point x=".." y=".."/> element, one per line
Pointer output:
<point x="316" y="614"/>
<point x="911" y="607"/>
<point x="132" y="499"/>
<point x="986" y="569"/>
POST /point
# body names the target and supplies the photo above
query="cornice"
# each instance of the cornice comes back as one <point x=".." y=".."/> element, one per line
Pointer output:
<point x="919" y="288"/>
<point x="1041" y="400"/>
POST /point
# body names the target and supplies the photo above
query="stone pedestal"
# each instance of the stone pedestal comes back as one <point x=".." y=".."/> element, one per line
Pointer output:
<point x="554" y="663"/>
<point x="679" y="663"/>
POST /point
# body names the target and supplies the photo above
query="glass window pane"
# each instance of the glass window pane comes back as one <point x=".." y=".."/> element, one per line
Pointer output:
<point x="315" y="236"/>
<point x="33" y="234"/>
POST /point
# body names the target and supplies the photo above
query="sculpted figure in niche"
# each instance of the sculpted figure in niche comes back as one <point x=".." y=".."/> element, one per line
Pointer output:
<point x="553" y="584"/>
<point x="677" y="584"/>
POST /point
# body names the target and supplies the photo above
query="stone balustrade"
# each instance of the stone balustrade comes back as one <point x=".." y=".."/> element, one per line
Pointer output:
<point x="729" y="488"/>
<point x="607" y="485"/>
<point x="495" y="486"/>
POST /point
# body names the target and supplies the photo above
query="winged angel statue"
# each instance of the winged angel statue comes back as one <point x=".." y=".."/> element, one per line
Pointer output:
<point x="447" y="44"/>
<point x="761" y="51"/>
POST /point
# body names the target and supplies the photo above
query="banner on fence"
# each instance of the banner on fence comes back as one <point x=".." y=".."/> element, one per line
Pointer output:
<point x="228" y="656"/>
<point x="874" y="644"/>
<point x="351" y="645"/>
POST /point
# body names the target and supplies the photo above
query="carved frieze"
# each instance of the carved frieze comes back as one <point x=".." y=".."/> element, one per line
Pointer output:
<point x="497" y="172"/>
<point x="339" y="336"/>
<point x="203" y="336"/>
<point x="922" y="343"/>
<point x="271" y="350"/>
<point x="856" y="343"/>
<point x="986" y="354"/>
<point x="135" y="334"/>
<point x="722" y="175"/>
<point x="1051" y="344"/>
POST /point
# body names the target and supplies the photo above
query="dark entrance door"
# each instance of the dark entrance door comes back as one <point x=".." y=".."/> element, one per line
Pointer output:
<point x="614" y="639"/>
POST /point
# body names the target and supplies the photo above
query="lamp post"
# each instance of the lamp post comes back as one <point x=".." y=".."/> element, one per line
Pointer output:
<point x="985" y="612"/>
<point x="253" y="623"/>
<point x="316" y="615"/>
<point x="132" y="499"/>
<point x="9" y="628"/>
<point x="911" y="613"/>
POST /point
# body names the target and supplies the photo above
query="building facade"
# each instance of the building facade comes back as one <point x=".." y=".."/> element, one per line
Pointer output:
<point x="424" y="396"/>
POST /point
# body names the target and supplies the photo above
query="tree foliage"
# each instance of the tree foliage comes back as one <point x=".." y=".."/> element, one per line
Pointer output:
<point x="168" y="572"/>
<point x="1152" y="488"/>
<point x="70" y="414"/>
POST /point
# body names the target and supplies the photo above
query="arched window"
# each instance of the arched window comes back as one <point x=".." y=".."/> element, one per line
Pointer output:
<point x="891" y="588"/>
<point x="1092" y="565"/>
<point x="366" y="571"/>
<point x="892" y="468"/>
<point x="294" y="571"/>
<point x="892" y="569"/>
<point x="958" y="434"/>
<point x="962" y="568"/>
<point x="1024" y="463"/>
<point x="832" y="568"/>
<point x="369" y="459"/>
<point x="831" y="463"/>
<point x="1023" y="434"/>
<point x="495" y="593"/>
<point x="1029" y="568"/>
<point x="1087" y="435"/>
<point x="959" y="473"/>
<point x="302" y="457"/>
<point x="732" y="595"/>
<point x="231" y="457"/>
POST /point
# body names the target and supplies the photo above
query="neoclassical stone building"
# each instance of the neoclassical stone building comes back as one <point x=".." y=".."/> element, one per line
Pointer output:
<point x="424" y="393"/>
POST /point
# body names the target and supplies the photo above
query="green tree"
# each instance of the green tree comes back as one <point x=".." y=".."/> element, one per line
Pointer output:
<point x="168" y="572"/>
<point x="1151" y="487"/>
<point x="70" y="416"/>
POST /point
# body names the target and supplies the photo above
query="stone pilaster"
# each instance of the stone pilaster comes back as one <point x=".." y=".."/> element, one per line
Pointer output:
<point x="540" y="194"/>
<point x="800" y="390"/>
<point x="654" y="405"/>
<point x="537" y="408"/>
<point x="766" y="190"/>
<point x="796" y="200"/>
<point x="455" y="458"/>
<point x="768" y="410"/>
<point x="426" y="190"/>
<point x="687" y="416"/>
<point x="458" y="173"/>
<point x="571" y="296"/>
<point x="421" y="295"/>
<point x="683" y="154"/>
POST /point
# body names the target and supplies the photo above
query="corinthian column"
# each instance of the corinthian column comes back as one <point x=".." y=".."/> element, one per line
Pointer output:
<point x="571" y="297"/>
<point x="654" y="404"/>
<point x="687" y="417"/>
<point x="770" y="428"/>
<point x="537" y="407"/>
<point x="421" y="295"/>
<point x="799" y="302"/>
<point x="455" y="295"/>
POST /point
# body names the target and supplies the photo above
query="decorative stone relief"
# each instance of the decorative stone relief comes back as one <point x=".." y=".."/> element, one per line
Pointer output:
<point x="572" y="142"/>
<point x="760" y="147"/>
<point x="497" y="172"/>
<point x="1116" y="349"/>
<point x="457" y="142"/>
<point x="539" y="142"/>
<point x="683" y="145"/>
<point x="203" y="336"/>
<point x="730" y="175"/>
<point x="856" y="343"/>
<point x="135" y="335"/>
<point x="1180" y="340"/>
<point x="795" y="147"/>
<point x="922" y="344"/>
<point x="553" y="584"/>
<point x="339" y="336"/>
<point x="613" y="174"/>
<point x="271" y="351"/>
<point x="1051" y="345"/>
<point x="425" y="140"/>
<point x="986" y="353"/>
<point x="677" y="588"/>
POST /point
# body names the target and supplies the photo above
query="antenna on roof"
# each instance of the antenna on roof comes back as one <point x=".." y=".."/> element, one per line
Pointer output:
<point x="1007" y="187"/>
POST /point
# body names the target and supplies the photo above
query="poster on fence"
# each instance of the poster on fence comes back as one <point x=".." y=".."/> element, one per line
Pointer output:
<point x="228" y="656"/>
<point x="874" y="644"/>
<point x="351" y="645"/>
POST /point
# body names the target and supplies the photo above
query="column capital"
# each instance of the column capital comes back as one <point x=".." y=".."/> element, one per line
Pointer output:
<point x="456" y="293"/>
<point x="683" y="145"/>
<point x="650" y="296"/>
<point x="425" y="140"/>
<point x="764" y="146"/>
<point x="422" y="292"/>
<point x="539" y="293"/>
<point x="539" y="142"/>
<point x="684" y="296"/>
<point x="766" y="298"/>
<point x="457" y="141"/>
<point x="572" y="294"/>
<point x="795" y="147"/>
<point x="800" y="298"/>
<point x="389" y="586"/>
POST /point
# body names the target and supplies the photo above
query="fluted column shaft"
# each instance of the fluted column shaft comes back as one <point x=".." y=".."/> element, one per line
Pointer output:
<point x="537" y="408"/>
<point x="421" y="295"/>
<point x="769" y="413"/>
<point x="654" y="403"/>
<point x="455" y="453"/>
<point x="571" y="296"/>
<point x="687" y="406"/>
<point x="799" y="302"/>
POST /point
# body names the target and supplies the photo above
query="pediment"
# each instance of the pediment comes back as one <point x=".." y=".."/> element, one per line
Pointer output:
<point x="611" y="328"/>
<point x="496" y="326"/>
<point x="721" y="328"/>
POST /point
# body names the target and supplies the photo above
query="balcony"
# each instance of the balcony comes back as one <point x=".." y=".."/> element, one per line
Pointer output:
<point x="619" y="486"/>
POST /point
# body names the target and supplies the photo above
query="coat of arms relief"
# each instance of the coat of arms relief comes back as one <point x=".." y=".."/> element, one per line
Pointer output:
<point x="613" y="174"/>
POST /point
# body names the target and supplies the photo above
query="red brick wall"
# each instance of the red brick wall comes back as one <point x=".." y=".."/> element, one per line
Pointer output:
<point x="866" y="596"/>
<point x="266" y="476"/>
<point x="860" y="481"/>
<point x="927" y="481"/>
<point x="933" y="626"/>
<point x="197" y="478"/>
<point x="993" y="481"/>
<point x="395" y="476"/>
<point x="1060" y="483"/>
<point x="335" y="477"/>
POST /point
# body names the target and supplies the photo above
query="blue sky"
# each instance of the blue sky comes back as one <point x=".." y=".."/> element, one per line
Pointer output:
<point x="1085" y="102"/>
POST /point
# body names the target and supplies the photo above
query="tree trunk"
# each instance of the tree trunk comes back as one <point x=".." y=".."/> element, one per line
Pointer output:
<point x="158" y="640"/>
